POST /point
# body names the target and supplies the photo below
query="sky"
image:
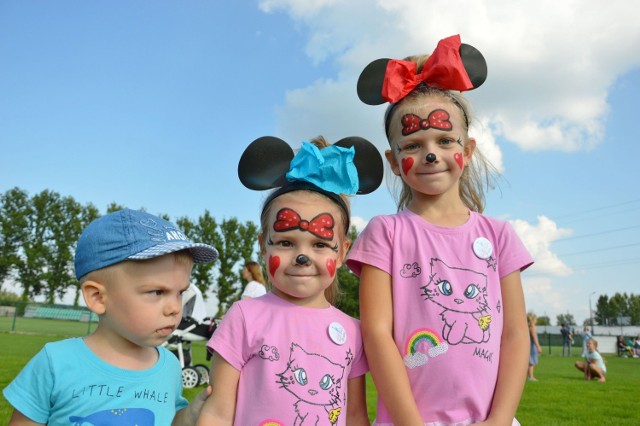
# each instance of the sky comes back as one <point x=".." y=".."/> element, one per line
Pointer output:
<point x="150" y="104"/>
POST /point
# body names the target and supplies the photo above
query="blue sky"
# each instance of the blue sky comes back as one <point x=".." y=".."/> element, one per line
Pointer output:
<point x="151" y="103"/>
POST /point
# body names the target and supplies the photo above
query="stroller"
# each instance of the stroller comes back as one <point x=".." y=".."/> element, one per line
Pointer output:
<point x="193" y="327"/>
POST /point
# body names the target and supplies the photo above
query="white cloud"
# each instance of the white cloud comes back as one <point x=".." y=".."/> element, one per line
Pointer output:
<point x="547" y="86"/>
<point x="358" y="222"/>
<point x="537" y="239"/>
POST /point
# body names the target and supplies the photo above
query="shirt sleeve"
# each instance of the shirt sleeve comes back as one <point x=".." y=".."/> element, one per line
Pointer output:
<point x="372" y="247"/>
<point x="30" y="392"/>
<point x="229" y="339"/>
<point x="514" y="255"/>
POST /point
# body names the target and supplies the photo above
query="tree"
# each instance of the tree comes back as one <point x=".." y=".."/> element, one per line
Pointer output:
<point x="543" y="320"/>
<point x="233" y="236"/>
<point x="349" y="300"/>
<point x="14" y="205"/>
<point x="565" y="319"/>
<point x="205" y="231"/>
<point x="603" y="311"/>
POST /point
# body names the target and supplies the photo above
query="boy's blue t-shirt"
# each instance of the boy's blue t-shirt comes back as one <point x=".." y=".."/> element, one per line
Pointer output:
<point x="66" y="383"/>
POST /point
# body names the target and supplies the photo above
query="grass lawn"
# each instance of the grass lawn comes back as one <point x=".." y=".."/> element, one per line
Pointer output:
<point x="560" y="397"/>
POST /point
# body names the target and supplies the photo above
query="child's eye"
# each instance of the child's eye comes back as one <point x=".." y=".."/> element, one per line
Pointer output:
<point x="447" y="141"/>
<point x="157" y="292"/>
<point x="410" y="147"/>
<point x="284" y="243"/>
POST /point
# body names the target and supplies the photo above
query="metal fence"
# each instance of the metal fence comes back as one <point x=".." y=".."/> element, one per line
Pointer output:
<point x="29" y="317"/>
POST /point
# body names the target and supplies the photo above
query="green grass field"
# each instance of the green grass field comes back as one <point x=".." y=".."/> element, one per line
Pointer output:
<point x="560" y="397"/>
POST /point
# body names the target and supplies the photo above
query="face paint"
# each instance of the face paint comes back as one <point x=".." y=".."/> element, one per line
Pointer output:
<point x="321" y="226"/>
<point x="331" y="267"/>
<point x="458" y="157"/>
<point x="302" y="259"/>
<point x="438" y="119"/>
<point x="431" y="157"/>
<point x="407" y="163"/>
<point x="274" y="263"/>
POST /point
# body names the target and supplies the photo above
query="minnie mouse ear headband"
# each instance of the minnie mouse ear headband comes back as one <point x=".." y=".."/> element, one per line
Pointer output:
<point x="350" y="166"/>
<point x="451" y="66"/>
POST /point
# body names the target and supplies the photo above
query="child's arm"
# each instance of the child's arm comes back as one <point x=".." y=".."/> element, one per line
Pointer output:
<point x="188" y="416"/>
<point x="387" y="369"/>
<point x="220" y="407"/>
<point x="514" y="353"/>
<point x="19" y="419"/>
<point x="357" y="402"/>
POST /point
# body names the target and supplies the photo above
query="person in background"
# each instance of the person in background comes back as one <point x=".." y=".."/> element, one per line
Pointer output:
<point x="593" y="365"/>
<point x="567" y="339"/>
<point x="534" y="347"/>
<point x="252" y="273"/>
<point x="586" y="336"/>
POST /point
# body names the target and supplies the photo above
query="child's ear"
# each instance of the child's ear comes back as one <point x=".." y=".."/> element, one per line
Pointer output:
<point x="342" y="254"/>
<point x="94" y="296"/>
<point x="469" y="149"/>
<point x="393" y="162"/>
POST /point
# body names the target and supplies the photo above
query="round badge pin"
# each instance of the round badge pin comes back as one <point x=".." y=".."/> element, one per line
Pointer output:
<point x="337" y="333"/>
<point x="482" y="248"/>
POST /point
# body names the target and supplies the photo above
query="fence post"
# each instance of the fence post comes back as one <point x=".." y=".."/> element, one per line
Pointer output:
<point x="15" y="314"/>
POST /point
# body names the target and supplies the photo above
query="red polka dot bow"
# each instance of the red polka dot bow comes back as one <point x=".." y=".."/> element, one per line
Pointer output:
<point x="321" y="226"/>
<point x="438" y="119"/>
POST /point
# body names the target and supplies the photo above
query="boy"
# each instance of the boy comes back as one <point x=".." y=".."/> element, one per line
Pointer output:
<point x="133" y="268"/>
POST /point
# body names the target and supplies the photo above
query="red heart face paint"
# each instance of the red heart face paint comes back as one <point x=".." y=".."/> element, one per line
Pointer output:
<point x="458" y="157"/>
<point x="274" y="263"/>
<point x="407" y="163"/>
<point x="331" y="267"/>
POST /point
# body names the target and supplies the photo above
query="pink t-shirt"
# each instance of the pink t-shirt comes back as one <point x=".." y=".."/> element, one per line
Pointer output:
<point x="294" y="362"/>
<point x="447" y="305"/>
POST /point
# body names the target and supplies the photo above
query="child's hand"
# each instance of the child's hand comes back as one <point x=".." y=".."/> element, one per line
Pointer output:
<point x="200" y="398"/>
<point x="189" y="416"/>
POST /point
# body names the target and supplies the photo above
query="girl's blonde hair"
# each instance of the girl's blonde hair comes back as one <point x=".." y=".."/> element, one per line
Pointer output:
<point x="477" y="178"/>
<point x="331" y="293"/>
<point x="255" y="270"/>
<point x="531" y="319"/>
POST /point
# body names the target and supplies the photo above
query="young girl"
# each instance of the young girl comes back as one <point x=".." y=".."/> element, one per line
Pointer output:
<point x="441" y="301"/>
<point x="290" y="357"/>
<point x="534" y="346"/>
<point x="593" y="365"/>
<point x="252" y="272"/>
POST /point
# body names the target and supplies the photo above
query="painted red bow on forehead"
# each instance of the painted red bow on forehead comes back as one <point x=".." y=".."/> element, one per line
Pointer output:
<point x="438" y="119"/>
<point x="443" y="69"/>
<point x="321" y="226"/>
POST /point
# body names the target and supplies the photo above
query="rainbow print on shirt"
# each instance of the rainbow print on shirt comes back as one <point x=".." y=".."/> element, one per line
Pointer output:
<point x="423" y="337"/>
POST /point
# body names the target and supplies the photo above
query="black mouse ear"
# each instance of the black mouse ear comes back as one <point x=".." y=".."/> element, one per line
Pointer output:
<point x="370" y="82"/>
<point x="474" y="63"/>
<point x="368" y="162"/>
<point x="264" y="163"/>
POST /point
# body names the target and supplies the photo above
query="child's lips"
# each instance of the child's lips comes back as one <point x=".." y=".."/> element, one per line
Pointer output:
<point x="165" y="331"/>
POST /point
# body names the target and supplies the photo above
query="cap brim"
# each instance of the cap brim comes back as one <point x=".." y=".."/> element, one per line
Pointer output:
<point x="202" y="253"/>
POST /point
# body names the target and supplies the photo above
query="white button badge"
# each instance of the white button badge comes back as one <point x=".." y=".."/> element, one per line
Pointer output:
<point x="482" y="248"/>
<point x="337" y="333"/>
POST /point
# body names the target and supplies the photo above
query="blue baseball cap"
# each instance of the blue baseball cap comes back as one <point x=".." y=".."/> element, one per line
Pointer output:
<point x="132" y="235"/>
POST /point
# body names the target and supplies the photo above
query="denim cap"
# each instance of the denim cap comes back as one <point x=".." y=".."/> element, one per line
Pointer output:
<point x="133" y="235"/>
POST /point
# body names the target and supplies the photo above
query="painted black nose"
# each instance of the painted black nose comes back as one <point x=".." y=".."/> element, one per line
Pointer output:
<point x="431" y="157"/>
<point x="302" y="259"/>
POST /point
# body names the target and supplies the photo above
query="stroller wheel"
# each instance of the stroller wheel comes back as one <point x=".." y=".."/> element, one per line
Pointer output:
<point x="203" y="370"/>
<point x="190" y="377"/>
